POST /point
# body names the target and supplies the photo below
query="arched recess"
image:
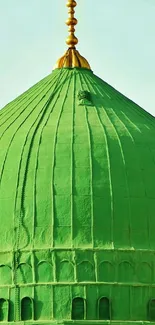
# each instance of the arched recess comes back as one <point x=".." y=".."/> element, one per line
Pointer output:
<point x="106" y="272"/>
<point x="27" y="308"/>
<point x="5" y="274"/>
<point x="44" y="272"/>
<point x="65" y="271"/>
<point x="151" y="310"/>
<point x="85" y="272"/>
<point x="24" y="273"/>
<point x="104" y="311"/>
<point x="78" y="308"/>
<point x="125" y="272"/>
<point x="3" y="310"/>
<point x="144" y="273"/>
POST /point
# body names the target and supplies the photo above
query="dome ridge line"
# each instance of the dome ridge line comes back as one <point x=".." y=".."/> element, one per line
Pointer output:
<point x="91" y="165"/>
<point x="54" y="153"/>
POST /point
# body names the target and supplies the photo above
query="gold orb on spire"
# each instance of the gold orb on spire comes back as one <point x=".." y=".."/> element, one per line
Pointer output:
<point x="71" y="41"/>
<point x="72" y="58"/>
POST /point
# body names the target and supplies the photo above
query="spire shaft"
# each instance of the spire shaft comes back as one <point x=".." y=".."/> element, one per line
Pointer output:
<point x="72" y="58"/>
<point x="71" y="40"/>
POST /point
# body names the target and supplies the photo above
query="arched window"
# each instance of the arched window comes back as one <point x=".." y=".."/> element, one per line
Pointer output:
<point x="78" y="308"/>
<point x="104" y="308"/>
<point x="125" y="272"/>
<point x="3" y="310"/>
<point x="106" y="272"/>
<point x="26" y="308"/>
<point x="24" y="273"/>
<point x="65" y="271"/>
<point x="44" y="272"/>
<point x="85" y="272"/>
<point x="151" y="310"/>
<point x="144" y="272"/>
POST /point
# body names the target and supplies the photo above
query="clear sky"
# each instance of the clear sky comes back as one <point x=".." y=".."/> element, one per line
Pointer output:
<point x="116" y="36"/>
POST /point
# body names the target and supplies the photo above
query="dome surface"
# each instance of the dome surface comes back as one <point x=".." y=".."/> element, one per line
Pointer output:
<point x="77" y="160"/>
<point x="81" y="165"/>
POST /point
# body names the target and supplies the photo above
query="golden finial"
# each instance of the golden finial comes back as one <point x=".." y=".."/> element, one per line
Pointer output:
<point x="71" y="41"/>
<point x="72" y="58"/>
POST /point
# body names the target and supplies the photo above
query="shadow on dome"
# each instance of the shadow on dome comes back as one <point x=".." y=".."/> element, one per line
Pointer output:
<point x="38" y="307"/>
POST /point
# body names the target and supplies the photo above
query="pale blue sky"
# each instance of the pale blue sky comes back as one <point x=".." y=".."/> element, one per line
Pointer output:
<point x="116" y="36"/>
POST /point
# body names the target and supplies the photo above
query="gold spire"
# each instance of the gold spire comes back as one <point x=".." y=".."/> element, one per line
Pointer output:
<point x="71" y="41"/>
<point x="72" y="58"/>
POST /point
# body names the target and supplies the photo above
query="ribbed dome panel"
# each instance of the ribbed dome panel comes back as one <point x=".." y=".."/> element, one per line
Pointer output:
<point x="76" y="173"/>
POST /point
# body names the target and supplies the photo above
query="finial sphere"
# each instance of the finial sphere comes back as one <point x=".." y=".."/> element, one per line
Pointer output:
<point x="71" y="22"/>
<point x="71" y="3"/>
<point x="71" y="40"/>
<point x="72" y="58"/>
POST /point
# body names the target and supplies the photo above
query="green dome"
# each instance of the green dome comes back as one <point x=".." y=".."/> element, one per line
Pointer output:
<point x="77" y="201"/>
